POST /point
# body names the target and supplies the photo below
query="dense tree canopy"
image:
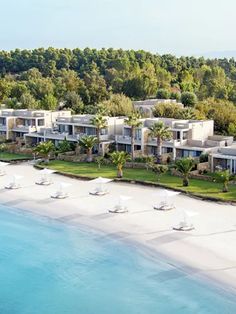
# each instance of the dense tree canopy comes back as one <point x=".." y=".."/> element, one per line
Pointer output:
<point x="83" y="79"/>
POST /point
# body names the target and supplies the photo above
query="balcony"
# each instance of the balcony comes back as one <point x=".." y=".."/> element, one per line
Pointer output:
<point x="170" y="143"/>
<point x="3" y="127"/>
<point x="24" y="128"/>
<point x="124" y="139"/>
<point x="180" y="126"/>
<point x="75" y="120"/>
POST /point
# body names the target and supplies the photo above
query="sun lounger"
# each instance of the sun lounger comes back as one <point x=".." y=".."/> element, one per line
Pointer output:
<point x="164" y="206"/>
<point x="118" y="209"/>
<point x="44" y="181"/>
<point x="13" y="186"/>
<point x="98" y="192"/>
<point x="183" y="226"/>
<point x="59" y="195"/>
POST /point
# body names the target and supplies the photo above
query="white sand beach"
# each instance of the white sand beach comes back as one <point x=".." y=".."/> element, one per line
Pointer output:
<point x="209" y="250"/>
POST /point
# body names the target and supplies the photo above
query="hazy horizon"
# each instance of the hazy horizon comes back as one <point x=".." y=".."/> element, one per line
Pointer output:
<point x="179" y="27"/>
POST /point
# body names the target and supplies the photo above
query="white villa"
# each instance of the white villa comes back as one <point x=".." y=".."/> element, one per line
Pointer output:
<point x="74" y="127"/>
<point x="16" y="124"/>
<point x="189" y="137"/>
<point x="146" y="106"/>
<point x="224" y="158"/>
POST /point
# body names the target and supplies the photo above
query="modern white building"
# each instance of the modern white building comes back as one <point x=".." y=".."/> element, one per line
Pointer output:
<point x="74" y="127"/>
<point x="146" y="106"/>
<point x="14" y="124"/>
<point x="189" y="138"/>
<point x="224" y="158"/>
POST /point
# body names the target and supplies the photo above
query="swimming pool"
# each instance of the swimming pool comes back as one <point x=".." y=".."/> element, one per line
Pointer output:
<point x="47" y="267"/>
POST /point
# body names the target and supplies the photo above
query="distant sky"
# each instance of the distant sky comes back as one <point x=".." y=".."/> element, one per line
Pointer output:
<point x="182" y="27"/>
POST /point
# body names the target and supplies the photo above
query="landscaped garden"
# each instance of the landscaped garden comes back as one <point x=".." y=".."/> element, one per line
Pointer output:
<point x="5" y="156"/>
<point x="197" y="187"/>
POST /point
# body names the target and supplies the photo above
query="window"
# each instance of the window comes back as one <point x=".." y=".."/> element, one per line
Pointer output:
<point x="167" y="150"/>
<point x="191" y="153"/>
<point x="40" y="122"/>
<point x="185" y="135"/>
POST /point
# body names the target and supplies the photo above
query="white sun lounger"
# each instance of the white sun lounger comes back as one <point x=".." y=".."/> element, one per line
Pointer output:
<point x="118" y="209"/>
<point x="164" y="206"/>
<point x="13" y="186"/>
<point x="98" y="192"/>
<point x="59" y="195"/>
<point x="183" y="226"/>
<point x="44" y="181"/>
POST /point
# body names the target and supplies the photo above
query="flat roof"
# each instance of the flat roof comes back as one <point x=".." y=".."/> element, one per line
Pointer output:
<point x="223" y="156"/>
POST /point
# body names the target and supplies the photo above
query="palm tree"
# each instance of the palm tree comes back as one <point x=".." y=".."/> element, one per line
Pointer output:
<point x="161" y="132"/>
<point x="225" y="177"/>
<point x="119" y="159"/>
<point x="100" y="123"/>
<point x="88" y="142"/>
<point x="44" y="149"/>
<point x="134" y="122"/>
<point x="184" y="167"/>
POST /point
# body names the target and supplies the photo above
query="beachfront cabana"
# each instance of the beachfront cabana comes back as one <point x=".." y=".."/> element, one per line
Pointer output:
<point x="166" y="199"/>
<point x="186" y="222"/>
<point x="121" y="207"/>
<point x="2" y="167"/>
<point x="14" y="184"/>
<point x="100" y="189"/>
<point x="61" y="191"/>
<point x="45" y="177"/>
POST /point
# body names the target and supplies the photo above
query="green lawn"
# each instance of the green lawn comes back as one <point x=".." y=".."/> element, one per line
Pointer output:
<point x="4" y="156"/>
<point x="197" y="187"/>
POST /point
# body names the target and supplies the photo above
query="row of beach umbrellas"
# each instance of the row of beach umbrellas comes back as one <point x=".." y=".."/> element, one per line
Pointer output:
<point x="166" y="196"/>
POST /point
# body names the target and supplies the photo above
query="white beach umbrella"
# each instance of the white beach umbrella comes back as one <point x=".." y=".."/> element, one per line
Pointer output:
<point x="46" y="171"/>
<point x="16" y="177"/>
<point x="4" y="164"/>
<point x="101" y="180"/>
<point x="187" y="214"/>
<point x="63" y="185"/>
<point x="123" y="199"/>
<point x="167" y="193"/>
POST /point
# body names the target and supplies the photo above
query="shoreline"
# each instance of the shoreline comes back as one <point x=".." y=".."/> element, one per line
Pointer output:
<point x="143" y="228"/>
<point x="143" y="249"/>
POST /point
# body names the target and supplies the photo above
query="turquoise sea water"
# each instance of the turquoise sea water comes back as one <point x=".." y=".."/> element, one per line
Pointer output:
<point x="47" y="267"/>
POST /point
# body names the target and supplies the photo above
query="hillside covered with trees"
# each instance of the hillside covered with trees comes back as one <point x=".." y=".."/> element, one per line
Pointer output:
<point x="83" y="79"/>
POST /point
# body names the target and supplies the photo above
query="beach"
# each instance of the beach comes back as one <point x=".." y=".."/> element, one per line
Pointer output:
<point x="206" y="251"/>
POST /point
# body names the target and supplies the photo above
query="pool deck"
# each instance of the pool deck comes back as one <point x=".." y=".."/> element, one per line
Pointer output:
<point x="207" y="251"/>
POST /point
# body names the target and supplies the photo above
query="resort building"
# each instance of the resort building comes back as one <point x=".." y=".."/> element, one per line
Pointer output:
<point x="145" y="107"/>
<point x="7" y="121"/>
<point x="224" y="158"/>
<point x="190" y="138"/>
<point x="14" y="124"/>
<point x="74" y="127"/>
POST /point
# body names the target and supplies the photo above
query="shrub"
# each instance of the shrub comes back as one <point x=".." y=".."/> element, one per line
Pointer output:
<point x="163" y="93"/>
<point x="159" y="170"/>
<point x="188" y="99"/>
<point x="203" y="157"/>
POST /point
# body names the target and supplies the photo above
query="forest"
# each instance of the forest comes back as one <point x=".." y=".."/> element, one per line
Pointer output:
<point x="83" y="80"/>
